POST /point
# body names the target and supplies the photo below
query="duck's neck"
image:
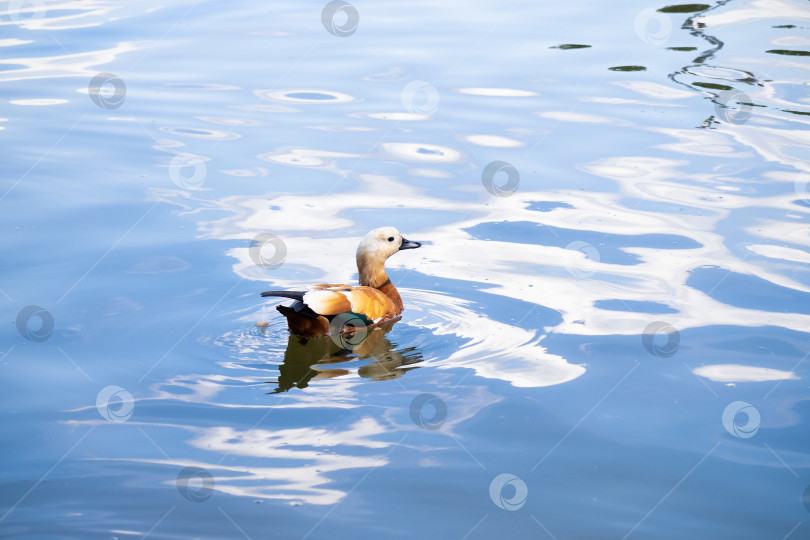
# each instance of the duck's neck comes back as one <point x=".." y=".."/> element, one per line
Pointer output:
<point x="372" y="274"/>
<point x="391" y="292"/>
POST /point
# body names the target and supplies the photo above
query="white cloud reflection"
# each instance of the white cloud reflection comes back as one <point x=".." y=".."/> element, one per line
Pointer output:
<point x="295" y="464"/>
<point x="37" y="102"/>
<point x="73" y="14"/>
<point x="497" y="92"/>
<point x="739" y="373"/>
<point x="495" y="141"/>
<point x="66" y="65"/>
<point x="758" y="10"/>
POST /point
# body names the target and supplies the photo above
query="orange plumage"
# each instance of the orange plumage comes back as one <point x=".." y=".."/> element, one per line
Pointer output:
<point x="322" y="309"/>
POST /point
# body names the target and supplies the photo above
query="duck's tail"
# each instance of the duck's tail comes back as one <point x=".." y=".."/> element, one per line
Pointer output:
<point x="302" y="321"/>
<point x="294" y="295"/>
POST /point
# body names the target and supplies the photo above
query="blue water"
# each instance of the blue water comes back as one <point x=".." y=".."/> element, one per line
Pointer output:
<point x="606" y="330"/>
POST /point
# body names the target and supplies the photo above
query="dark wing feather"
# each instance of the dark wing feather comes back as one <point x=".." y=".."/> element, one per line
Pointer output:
<point x="298" y="308"/>
<point x="295" y="295"/>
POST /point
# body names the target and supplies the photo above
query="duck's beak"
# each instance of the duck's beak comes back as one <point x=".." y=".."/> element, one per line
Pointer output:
<point x="408" y="244"/>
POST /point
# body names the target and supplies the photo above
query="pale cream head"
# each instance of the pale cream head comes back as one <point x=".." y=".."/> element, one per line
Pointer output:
<point x="374" y="250"/>
<point x="379" y="244"/>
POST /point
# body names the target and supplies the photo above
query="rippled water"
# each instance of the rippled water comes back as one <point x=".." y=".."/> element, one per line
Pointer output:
<point x="605" y="331"/>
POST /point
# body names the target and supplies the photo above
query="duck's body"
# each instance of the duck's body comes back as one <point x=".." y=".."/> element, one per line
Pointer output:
<point x="325" y="309"/>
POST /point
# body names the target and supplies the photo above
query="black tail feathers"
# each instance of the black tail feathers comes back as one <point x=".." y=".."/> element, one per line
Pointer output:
<point x="295" y="295"/>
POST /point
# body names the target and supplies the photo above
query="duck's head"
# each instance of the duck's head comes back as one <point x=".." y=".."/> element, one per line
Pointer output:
<point x="374" y="250"/>
<point x="381" y="243"/>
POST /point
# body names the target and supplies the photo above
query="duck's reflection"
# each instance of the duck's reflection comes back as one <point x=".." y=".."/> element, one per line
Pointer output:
<point x="309" y="359"/>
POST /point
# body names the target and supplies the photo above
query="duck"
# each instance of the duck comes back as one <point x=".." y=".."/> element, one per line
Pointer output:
<point x="329" y="309"/>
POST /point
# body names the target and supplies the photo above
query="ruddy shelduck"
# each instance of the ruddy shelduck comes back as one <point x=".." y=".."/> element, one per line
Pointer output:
<point x="376" y="301"/>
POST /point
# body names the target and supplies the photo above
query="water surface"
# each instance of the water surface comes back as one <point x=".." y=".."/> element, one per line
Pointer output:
<point x="609" y="308"/>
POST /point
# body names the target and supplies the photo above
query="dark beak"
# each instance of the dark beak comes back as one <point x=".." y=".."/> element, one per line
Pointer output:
<point x="408" y="244"/>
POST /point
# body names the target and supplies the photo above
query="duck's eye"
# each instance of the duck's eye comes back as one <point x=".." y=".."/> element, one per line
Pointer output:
<point x="390" y="238"/>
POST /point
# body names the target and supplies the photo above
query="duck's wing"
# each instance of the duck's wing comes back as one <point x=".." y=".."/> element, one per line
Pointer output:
<point x="327" y="302"/>
<point x="330" y="299"/>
